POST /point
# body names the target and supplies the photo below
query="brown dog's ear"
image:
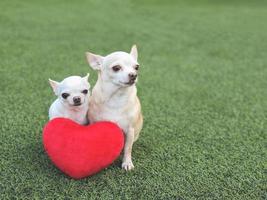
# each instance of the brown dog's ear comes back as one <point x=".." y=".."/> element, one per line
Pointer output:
<point x="54" y="85"/>
<point x="95" y="61"/>
<point x="134" y="52"/>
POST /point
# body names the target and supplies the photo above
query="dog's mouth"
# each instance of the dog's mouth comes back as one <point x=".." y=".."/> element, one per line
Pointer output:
<point x="77" y="104"/>
<point x="131" y="82"/>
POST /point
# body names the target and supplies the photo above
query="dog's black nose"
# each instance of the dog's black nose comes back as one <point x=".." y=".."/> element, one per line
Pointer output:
<point x="77" y="99"/>
<point x="132" y="76"/>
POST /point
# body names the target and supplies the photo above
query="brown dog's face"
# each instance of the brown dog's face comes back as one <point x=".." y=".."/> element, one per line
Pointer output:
<point x="119" y="68"/>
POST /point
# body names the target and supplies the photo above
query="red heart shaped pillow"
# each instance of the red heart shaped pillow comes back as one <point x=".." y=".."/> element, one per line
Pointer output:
<point x="80" y="151"/>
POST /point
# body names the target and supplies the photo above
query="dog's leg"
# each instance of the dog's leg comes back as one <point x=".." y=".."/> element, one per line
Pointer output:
<point x="127" y="163"/>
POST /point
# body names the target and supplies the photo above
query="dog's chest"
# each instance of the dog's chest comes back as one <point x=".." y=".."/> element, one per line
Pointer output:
<point x="122" y="114"/>
<point x="79" y="117"/>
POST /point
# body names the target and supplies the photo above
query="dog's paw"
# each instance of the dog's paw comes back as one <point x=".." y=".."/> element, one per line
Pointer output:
<point x="127" y="165"/>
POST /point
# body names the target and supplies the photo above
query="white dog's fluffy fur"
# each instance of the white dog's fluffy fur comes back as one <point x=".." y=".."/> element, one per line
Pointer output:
<point x="73" y="99"/>
<point x="114" y="96"/>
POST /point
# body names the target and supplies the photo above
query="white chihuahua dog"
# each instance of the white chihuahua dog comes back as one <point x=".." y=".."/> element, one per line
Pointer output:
<point x="114" y="96"/>
<point x="73" y="99"/>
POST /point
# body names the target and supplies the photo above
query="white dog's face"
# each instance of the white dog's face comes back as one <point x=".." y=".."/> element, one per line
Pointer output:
<point x="119" y="68"/>
<point x="73" y="90"/>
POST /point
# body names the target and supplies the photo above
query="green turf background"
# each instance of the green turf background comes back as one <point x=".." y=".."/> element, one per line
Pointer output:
<point x="202" y="84"/>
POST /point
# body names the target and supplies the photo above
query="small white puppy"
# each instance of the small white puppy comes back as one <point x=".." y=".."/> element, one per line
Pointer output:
<point x="73" y="99"/>
<point x="114" y="96"/>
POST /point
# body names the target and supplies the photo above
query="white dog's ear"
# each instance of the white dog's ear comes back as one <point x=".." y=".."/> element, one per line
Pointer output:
<point x="86" y="77"/>
<point x="95" y="61"/>
<point x="54" y="85"/>
<point x="134" y="52"/>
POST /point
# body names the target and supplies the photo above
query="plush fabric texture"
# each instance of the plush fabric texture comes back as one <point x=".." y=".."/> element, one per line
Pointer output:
<point x="80" y="151"/>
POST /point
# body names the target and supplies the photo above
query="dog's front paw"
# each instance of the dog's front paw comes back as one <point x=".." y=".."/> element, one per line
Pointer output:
<point x="127" y="165"/>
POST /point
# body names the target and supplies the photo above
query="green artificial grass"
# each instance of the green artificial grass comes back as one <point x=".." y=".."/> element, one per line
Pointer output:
<point x="202" y="85"/>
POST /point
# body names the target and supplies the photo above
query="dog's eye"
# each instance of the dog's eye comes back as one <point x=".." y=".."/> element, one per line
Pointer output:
<point x="85" y="91"/>
<point x="116" y="68"/>
<point x="65" y="95"/>
<point x="136" y="67"/>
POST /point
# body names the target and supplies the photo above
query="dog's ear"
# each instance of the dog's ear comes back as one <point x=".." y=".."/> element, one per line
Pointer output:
<point x="95" y="61"/>
<point x="134" y="52"/>
<point x="86" y="77"/>
<point x="54" y="85"/>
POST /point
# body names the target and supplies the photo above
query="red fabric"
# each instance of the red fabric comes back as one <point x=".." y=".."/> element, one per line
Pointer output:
<point x="80" y="151"/>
